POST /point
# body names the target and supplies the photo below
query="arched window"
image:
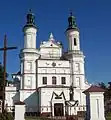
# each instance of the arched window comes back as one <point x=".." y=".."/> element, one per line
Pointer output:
<point x="54" y="80"/>
<point x="75" y="41"/>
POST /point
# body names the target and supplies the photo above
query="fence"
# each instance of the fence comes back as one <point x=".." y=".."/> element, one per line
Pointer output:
<point x="46" y="112"/>
<point x="59" y="112"/>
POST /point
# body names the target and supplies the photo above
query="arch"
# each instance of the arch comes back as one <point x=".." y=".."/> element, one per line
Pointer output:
<point x="75" y="42"/>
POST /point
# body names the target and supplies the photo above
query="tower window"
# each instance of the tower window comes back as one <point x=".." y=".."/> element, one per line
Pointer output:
<point x="77" y="81"/>
<point x="77" y="67"/>
<point x="53" y="80"/>
<point x="44" y="80"/>
<point x="63" y="80"/>
<point x="29" y="65"/>
<point x="29" y="80"/>
<point x="75" y="41"/>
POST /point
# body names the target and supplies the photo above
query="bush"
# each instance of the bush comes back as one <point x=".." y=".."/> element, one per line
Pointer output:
<point x="6" y="116"/>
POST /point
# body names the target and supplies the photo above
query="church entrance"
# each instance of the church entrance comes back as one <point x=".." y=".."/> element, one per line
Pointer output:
<point x="58" y="109"/>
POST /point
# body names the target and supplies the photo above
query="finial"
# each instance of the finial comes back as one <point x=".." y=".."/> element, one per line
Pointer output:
<point x="51" y="37"/>
<point x="70" y="12"/>
<point x="30" y="10"/>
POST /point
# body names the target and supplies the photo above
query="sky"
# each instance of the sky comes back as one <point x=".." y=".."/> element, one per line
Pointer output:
<point x="93" y="18"/>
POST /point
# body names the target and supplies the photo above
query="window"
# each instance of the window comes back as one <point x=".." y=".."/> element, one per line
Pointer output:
<point x="29" y="81"/>
<point x="77" y="81"/>
<point x="1" y="97"/>
<point x="63" y="80"/>
<point x="44" y="80"/>
<point x="77" y="66"/>
<point x="53" y="80"/>
<point x="29" y="65"/>
<point x="75" y="41"/>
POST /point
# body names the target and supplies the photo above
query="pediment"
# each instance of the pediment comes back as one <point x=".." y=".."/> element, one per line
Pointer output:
<point x="49" y="44"/>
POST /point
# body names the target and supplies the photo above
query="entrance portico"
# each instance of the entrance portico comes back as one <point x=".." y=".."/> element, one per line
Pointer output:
<point x="58" y="104"/>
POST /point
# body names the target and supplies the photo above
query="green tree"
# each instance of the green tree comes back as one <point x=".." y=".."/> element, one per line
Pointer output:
<point x="106" y="93"/>
<point x="102" y="85"/>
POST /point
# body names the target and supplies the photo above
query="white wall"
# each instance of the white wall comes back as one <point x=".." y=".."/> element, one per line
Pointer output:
<point x="19" y="112"/>
<point x="28" y="69"/>
<point x="46" y="97"/>
<point x="30" y="37"/>
<point x="45" y="69"/>
<point x="11" y="96"/>
<point x="71" y="34"/>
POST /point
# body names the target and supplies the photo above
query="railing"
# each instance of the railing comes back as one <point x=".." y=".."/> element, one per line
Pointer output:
<point x="63" y="113"/>
<point x="52" y="113"/>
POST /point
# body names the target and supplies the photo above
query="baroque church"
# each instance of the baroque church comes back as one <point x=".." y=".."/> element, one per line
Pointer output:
<point x="50" y="81"/>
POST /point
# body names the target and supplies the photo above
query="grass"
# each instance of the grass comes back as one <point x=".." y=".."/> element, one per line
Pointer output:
<point x="108" y="116"/>
<point x="36" y="118"/>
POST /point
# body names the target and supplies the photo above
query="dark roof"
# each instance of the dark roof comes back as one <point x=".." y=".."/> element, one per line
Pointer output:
<point x="19" y="103"/>
<point x="94" y="88"/>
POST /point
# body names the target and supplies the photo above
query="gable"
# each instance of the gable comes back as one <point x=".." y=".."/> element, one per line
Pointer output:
<point x="49" y="44"/>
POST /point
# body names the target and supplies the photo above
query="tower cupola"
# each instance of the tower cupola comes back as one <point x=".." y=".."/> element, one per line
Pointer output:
<point x="72" y="22"/>
<point x="30" y="19"/>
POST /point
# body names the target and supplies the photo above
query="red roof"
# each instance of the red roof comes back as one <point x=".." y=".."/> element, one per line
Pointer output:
<point x="94" y="88"/>
<point x="19" y="103"/>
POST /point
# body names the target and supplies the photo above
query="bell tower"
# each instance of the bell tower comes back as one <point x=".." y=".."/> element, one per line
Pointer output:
<point x="75" y="55"/>
<point x="29" y="54"/>
<point x="72" y="33"/>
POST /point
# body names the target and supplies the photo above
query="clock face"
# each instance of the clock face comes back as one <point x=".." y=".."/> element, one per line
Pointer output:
<point x="53" y="64"/>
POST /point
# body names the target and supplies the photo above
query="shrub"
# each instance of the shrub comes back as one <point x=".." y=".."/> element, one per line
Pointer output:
<point x="6" y="116"/>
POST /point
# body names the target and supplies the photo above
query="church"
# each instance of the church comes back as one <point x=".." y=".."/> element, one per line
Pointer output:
<point x="50" y="81"/>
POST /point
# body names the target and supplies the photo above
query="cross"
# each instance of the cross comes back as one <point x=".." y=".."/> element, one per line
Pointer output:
<point x="4" y="49"/>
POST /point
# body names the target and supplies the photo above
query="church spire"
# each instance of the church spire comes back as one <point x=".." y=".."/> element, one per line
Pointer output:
<point x="51" y="37"/>
<point x="72" y="22"/>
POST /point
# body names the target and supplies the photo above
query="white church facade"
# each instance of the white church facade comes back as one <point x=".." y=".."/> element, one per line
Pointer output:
<point x="51" y="81"/>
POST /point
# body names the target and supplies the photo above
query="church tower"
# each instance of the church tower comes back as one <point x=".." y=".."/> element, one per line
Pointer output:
<point x="29" y="54"/>
<point x="75" y="55"/>
<point x="73" y="34"/>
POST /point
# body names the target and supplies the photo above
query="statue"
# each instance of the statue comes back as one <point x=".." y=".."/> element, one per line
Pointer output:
<point x="30" y="17"/>
<point x="71" y="93"/>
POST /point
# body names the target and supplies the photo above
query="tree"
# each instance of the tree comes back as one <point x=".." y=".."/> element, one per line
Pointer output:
<point x="106" y="93"/>
<point x="102" y="85"/>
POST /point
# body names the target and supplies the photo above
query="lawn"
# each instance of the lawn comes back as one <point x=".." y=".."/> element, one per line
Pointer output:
<point x="108" y="116"/>
<point x="36" y="118"/>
